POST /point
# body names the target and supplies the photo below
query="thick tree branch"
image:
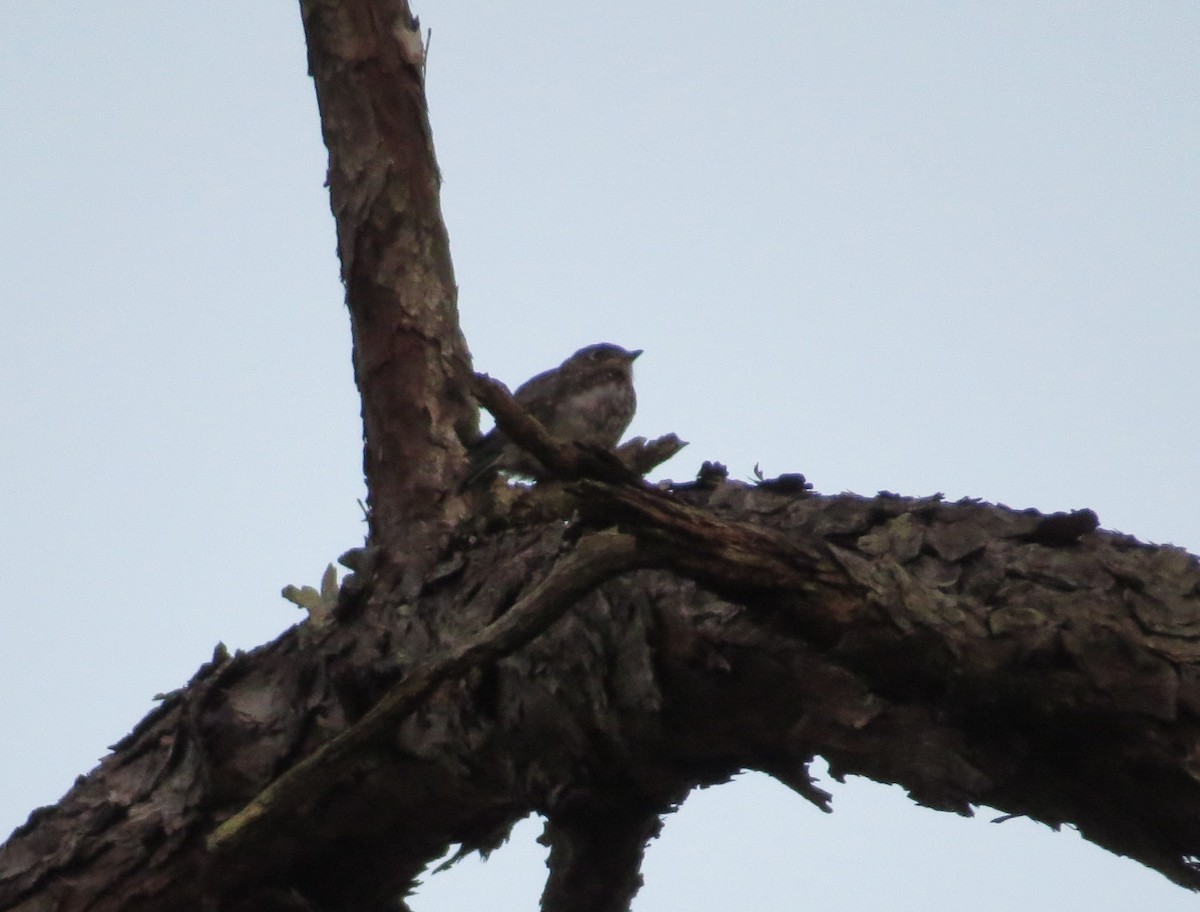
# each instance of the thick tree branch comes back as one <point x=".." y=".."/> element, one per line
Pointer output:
<point x="596" y="854"/>
<point x="485" y="670"/>
<point x="594" y="559"/>
<point x="410" y="359"/>
<point x="961" y="650"/>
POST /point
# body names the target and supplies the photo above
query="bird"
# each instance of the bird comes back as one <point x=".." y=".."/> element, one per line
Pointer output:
<point x="589" y="399"/>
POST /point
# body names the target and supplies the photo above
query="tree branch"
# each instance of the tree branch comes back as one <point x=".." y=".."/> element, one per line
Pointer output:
<point x="595" y="558"/>
<point x="973" y="654"/>
<point x="410" y="359"/>
<point x="566" y="459"/>
<point x="596" y="854"/>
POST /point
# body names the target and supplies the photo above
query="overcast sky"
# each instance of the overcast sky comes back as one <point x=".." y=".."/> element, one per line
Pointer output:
<point x="919" y="247"/>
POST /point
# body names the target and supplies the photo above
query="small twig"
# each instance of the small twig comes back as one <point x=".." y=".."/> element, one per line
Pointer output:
<point x="641" y="455"/>
<point x="596" y="558"/>
<point x="562" y="459"/>
<point x="565" y="459"/>
<point x="705" y="547"/>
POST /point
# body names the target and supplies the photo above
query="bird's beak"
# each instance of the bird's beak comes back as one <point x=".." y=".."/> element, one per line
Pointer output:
<point x="633" y="354"/>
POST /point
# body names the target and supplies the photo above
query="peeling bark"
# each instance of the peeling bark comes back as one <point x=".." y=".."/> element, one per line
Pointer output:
<point x="505" y="651"/>
<point x="410" y="359"/>
<point x="939" y="646"/>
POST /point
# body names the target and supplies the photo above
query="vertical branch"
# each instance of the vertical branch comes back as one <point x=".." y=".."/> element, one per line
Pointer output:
<point x="596" y="855"/>
<point x="410" y="359"/>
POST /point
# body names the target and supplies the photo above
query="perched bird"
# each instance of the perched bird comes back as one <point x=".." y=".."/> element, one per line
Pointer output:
<point x="588" y="398"/>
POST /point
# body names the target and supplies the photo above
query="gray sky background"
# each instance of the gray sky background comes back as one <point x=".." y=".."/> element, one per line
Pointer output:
<point x="920" y="247"/>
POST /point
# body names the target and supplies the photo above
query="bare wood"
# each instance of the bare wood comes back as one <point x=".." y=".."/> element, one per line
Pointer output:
<point x="642" y="455"/>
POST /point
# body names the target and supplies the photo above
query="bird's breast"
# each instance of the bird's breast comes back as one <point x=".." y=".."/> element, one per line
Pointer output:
<point x="597" y="415"/>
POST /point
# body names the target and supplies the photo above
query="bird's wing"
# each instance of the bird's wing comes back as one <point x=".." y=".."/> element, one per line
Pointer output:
<point x="538" y="396"/>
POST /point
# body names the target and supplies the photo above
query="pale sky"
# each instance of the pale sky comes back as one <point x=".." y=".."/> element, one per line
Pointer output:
<point x="919" y="247"/>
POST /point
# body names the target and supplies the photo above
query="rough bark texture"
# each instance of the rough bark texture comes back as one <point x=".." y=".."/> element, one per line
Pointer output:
<point x="410" y="359"/>
<point x="968" y="652"/>
<point x="484" y="665"/>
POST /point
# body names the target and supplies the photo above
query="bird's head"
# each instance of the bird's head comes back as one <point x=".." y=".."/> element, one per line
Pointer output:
<point x="602" y="358"/>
